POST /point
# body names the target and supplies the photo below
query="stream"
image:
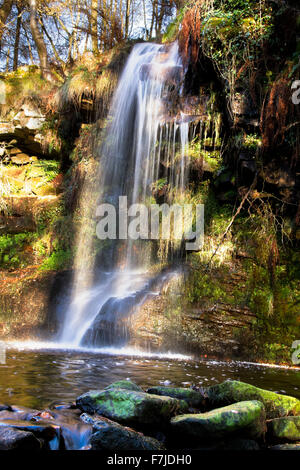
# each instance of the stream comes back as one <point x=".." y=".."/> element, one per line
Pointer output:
<point x="39" y="376"/>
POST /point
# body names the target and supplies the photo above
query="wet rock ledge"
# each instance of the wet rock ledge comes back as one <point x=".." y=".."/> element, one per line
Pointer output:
<point x="230" y="416"/>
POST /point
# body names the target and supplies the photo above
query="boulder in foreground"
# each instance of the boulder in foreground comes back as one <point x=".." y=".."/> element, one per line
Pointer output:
<point x="127" y="406"/>
<point x="111" y="436"/>
<point x="233" y="391"/>
<point x="11" y="439"/>
<point x="246" y="419"/>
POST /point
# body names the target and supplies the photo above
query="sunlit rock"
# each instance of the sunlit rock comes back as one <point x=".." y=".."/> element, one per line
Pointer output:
<point x="232" y="391"/>
<point x="245" y="419"/>
<point x="126" y="406"/>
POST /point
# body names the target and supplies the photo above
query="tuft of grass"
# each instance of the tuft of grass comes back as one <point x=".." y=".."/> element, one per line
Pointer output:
<point x="93" y="80"/>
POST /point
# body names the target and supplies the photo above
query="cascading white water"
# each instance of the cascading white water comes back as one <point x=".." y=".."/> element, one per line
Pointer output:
<point x="131" y="153"/>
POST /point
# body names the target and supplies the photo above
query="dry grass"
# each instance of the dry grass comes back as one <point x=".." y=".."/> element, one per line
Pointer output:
<point x="92" y="81"/>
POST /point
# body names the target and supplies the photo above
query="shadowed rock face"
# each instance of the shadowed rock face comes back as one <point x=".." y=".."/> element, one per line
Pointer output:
<point x="25" y="127"/>
<point x="108" y="435"/>
<point x="111" y="325"/>
<point x="14" y="439"/>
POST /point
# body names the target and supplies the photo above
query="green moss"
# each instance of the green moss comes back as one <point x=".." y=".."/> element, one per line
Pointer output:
<point x="233" y="391"/>
<point x="125" y="385"/>
<point x="286" y="429"/>
<point x="246" y="418"/>
<point x="192" y="397"/>
<point x="57" y="261"/>
<point x="127" y="406"/>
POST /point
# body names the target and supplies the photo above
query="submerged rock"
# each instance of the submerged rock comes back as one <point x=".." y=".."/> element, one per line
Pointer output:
<point x="125" y="385"/>
<point x="233" y="391"/>
<point x="127" y="406"/>
<point x="287" y="429"/>
<point x="108" y="435"/>
<point x="11" y="439"/>
<point x="246" y="418"/>
<point x="193" y="398"/>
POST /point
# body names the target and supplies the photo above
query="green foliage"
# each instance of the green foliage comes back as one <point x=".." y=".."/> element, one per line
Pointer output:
<point x="58" y="260"/>
<point x="211" y="157"/>
<point x="11" y="250"/>
<point x="173" y="28"/>
<point x="159" y="184"/>
<point x="46" y="170"/>
<point x="205" y="288"/>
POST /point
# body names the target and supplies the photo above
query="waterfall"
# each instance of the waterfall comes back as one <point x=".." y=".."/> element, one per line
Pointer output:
<point x="139" y="146"/>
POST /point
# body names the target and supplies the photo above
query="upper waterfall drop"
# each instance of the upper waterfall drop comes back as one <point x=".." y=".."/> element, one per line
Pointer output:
<point x="140" y="134"/>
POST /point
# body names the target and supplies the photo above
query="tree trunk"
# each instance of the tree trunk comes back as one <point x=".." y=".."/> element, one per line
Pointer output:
<point x="17" y="40"/>
<point x="127" y="16"/>
<point x="38" y="39"/>
<point x="94" y="26"/>
<point x="5" y="10"/>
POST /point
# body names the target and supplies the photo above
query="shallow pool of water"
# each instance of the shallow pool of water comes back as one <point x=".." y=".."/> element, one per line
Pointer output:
<point x="37" y="377"/>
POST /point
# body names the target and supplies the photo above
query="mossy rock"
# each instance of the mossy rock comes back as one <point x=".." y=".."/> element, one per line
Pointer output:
<point x="128" y="406"/>
<point x="233" y="391"/>
<point x="111" y="436"/>
<point x="247" y="419"/>
<point x="125" y="385"/>
<point x="286" y="429"/>
<point x="193" y="398"/>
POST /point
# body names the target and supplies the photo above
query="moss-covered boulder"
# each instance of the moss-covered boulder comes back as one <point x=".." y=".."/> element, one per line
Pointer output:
<point x="193" y="398"/>
<point x="233" y="391"/>
<point x="125" y="385"/>
<point x="286" y="429"/>
<point x="245" y="419"/>
<point x="111" y="436"/>
<point x="128" y="406"/>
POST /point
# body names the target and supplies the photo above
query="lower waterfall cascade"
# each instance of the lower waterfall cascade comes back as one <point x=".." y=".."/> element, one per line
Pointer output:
<point x="141" y="138"/>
